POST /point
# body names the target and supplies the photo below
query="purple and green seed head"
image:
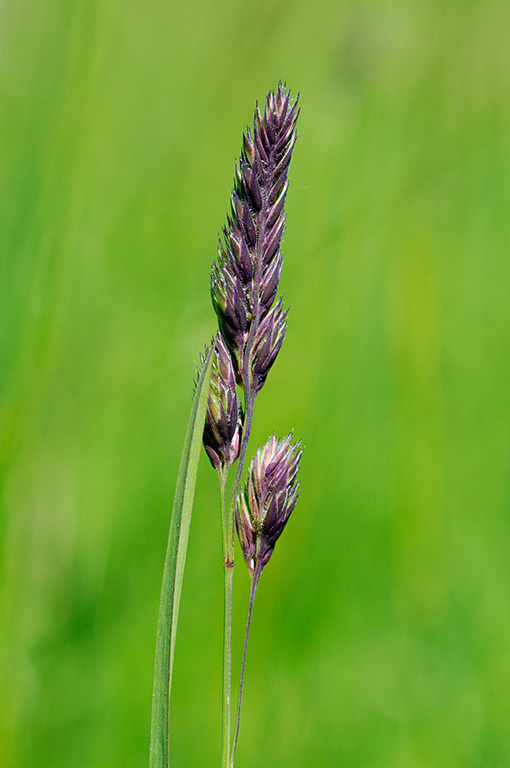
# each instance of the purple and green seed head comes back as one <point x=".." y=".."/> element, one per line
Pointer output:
<point x="245" y="277"/>
<point x="265" y="504"/>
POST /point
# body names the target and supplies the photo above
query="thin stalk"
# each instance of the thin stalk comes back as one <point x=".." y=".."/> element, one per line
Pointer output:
<point x="253" y="590"/>
<point x="227" y="633"/>
<point x="228" y="563"/>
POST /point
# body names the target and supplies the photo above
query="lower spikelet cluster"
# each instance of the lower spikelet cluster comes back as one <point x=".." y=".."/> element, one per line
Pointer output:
<point x="265" y="504"/>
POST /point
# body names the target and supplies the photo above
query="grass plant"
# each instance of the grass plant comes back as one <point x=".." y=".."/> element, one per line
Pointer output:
<point x="386" y="604"/>
<point x="252" y="325"/>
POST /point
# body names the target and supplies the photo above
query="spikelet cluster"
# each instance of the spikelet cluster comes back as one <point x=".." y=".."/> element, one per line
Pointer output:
<point x="224" y="417"/>
<point x="264" y="506"/>
<point x="244" y="279"/>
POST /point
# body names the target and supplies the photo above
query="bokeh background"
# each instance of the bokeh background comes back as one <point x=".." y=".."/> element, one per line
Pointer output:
<point x="381" y="633"/>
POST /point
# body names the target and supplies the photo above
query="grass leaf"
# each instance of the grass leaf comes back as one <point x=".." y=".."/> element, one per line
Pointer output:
<point x="174" y="570"/>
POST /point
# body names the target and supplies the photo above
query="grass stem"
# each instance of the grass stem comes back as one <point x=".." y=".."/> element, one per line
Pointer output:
<point x="253" y="590"/>
<point x="227" y="632"/>
<point x="228" y="563"/>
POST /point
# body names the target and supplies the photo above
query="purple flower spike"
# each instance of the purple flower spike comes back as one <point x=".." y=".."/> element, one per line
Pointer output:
<point x="244" y="280"/>
<point x="267" y="501"/>
<point x="223" y="420"/>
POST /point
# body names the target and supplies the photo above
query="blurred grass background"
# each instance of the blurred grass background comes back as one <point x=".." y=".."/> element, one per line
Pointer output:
<point x="381" y="634"/>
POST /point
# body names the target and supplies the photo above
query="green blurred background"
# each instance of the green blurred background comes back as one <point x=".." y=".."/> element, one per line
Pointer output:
<point x="381" y="637"/>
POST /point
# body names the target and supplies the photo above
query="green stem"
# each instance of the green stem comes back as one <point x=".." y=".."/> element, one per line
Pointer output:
<point x="253" y="590"/>
<point x="227" y="633"/>
<point x="228" y="516"/>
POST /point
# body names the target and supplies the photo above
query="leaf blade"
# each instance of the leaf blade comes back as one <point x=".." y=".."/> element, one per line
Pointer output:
<point x="174" y="570"/>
